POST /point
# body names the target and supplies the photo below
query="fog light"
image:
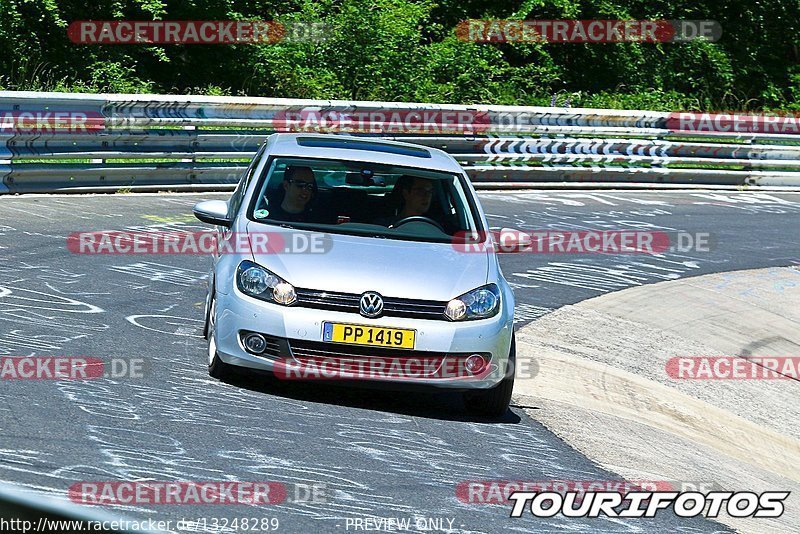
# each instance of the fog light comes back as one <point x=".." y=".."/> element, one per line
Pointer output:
<point x="475" y="363"/>
<point x="255" y="343"/>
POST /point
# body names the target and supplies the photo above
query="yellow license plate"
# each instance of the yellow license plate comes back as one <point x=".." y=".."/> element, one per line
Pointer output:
<point x="374" y="336"/>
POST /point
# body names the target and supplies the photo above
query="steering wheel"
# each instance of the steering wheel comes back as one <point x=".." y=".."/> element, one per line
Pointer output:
<point x="418" y="218"/>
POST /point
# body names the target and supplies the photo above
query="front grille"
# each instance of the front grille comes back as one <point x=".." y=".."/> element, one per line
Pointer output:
<point x="392" y="306"/>
<point x="273" y="347"/>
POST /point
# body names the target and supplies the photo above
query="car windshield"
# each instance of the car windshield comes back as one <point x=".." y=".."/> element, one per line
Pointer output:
<point x="369" y="199"/>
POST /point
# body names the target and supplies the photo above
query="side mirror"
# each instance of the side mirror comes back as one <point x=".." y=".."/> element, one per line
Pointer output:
<point x="213" y="212"/>
<point x="509" y="240"/>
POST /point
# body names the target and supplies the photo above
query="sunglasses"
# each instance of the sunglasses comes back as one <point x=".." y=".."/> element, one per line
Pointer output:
<point x="308" y="186"/>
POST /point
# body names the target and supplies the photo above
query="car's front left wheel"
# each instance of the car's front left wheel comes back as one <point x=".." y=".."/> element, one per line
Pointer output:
<point x="494" y="402"/>
<point x="216" y="367"/>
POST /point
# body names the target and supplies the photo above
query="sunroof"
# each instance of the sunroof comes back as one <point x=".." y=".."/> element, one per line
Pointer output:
<point x="359" y="144"/>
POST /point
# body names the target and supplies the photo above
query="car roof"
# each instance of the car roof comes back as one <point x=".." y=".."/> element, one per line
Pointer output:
<point x="363" y="149"/>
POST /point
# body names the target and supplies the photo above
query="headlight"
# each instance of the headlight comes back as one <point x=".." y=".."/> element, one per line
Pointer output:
<point x="477" y="304"/>
<point x="257" y="282"/>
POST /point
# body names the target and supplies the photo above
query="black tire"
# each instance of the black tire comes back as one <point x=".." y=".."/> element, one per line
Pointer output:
<point x="219" y="369"/>
<point x="494" y="402"/>
<point x="207" y="312"/>
<point x="216" y="367"/>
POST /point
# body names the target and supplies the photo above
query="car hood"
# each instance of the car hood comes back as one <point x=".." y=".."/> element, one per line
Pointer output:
<point x="393" y="268"/>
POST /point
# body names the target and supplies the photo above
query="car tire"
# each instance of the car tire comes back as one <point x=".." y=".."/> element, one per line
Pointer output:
<point x="216" y="367"/>
<point x="494" y="402"/>
<point x="219" y="369"/>
<point x="207" y="310"/>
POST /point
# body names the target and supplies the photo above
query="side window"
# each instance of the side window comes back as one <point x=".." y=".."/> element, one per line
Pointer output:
<point x="238" y="195"/>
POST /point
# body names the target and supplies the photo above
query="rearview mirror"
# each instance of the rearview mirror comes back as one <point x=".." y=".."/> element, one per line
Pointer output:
<point x="213" y="212"/>
<point x="365" y="177"/>
<point x="353" y="178"/>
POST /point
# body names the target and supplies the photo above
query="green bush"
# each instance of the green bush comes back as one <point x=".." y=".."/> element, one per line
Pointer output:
<point x="406" y="50"/>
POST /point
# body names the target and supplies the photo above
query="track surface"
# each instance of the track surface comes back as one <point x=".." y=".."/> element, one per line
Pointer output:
<point x="379" y="454"/>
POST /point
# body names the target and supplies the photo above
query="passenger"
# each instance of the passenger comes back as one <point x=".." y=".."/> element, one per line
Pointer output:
<point x="299" y="187"/>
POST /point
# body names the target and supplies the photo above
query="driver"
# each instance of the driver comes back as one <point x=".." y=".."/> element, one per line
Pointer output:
<point x="416" y="195"/>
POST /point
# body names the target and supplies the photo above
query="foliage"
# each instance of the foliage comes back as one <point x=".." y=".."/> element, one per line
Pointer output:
<point x="406" y="50"/>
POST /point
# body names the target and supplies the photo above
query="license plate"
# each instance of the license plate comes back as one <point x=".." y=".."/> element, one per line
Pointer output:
<point x="374" y="336"/>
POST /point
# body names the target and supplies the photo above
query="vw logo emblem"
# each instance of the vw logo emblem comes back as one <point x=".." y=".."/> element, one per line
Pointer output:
<point x="371" y="304"/>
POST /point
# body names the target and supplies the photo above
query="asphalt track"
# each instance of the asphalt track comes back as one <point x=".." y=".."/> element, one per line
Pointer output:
<point x="378" y="454"/>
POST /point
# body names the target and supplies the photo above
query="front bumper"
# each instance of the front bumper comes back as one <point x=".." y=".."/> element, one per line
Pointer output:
<point x="296" y="331"/>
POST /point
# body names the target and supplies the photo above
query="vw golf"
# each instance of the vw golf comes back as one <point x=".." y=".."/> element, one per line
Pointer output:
<point x="392" y="293"/>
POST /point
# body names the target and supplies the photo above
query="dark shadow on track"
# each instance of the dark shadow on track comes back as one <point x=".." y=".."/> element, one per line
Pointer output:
<point x="442" y="405"/>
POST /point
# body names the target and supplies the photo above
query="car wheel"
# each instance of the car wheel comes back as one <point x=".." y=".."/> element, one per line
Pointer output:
<point x="206" y="311"/>
<point x="216" y="367"/>
<point x="494" y="402"/>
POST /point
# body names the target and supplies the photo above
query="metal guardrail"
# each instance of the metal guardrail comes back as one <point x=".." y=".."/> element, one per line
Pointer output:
<point x="145" y="142"/>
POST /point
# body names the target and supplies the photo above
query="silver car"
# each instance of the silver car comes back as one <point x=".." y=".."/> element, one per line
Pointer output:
<point x="359" y="260"/>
